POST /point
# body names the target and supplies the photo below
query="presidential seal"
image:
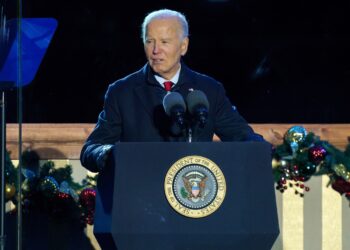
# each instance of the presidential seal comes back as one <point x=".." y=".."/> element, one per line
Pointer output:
<point x="195" y="186"/>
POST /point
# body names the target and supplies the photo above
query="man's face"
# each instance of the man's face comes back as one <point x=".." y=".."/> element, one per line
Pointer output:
<point x="164" y="46"/>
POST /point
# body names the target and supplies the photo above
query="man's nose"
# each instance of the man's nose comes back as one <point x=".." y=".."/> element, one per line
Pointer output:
<point x="155" y="48"/>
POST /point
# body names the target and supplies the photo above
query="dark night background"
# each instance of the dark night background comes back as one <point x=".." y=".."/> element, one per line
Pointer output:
<point x="280" y="61"/>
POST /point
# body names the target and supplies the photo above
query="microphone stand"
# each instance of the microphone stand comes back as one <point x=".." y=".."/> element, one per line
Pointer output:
<point x="198" y="122"/>
<point x="189" y="133"/>
<point x="4" y="86"/>
<point x="3" y="140"/>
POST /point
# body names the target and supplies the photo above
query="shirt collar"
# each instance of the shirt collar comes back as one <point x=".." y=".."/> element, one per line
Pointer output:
<point x="174" y="79"/>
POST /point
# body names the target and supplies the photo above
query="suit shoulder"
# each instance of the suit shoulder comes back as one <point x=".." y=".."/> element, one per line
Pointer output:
<point x="128" y="81"/>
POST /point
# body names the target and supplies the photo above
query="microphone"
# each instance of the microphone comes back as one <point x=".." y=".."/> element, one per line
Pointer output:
<point x="175" y="107"/>
<point x="198" y="106"/>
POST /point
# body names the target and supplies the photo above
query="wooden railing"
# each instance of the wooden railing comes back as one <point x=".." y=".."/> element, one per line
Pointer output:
<point x="64" y="141"/>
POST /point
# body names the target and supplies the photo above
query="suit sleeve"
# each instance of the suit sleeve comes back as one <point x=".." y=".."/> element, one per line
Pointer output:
<point x="99" y="145"/>
<point x="229" y="124"/>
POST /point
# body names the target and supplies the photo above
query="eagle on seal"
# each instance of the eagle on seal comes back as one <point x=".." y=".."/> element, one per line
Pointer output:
<point x="195" y="188"/>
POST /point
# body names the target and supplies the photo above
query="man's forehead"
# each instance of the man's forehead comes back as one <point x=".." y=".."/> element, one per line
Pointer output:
<point x="168" y="25"/>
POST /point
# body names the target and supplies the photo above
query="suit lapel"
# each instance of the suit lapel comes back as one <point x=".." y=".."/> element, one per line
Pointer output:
<point x="186" y="80"/>
<point x="150" y="94"/>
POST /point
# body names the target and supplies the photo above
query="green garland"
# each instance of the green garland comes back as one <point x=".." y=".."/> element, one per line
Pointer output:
<point x="303" y="155"/>
<point x="51" y="191"/>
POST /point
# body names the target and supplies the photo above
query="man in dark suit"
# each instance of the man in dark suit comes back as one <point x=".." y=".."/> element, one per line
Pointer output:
<point x="133" y="109"/>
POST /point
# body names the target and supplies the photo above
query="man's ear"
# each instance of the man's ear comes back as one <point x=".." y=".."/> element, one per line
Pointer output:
<point x="184" y="46"/>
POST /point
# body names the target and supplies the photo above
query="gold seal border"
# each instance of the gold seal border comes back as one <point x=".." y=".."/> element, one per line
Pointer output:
<point x="195" y="160"/>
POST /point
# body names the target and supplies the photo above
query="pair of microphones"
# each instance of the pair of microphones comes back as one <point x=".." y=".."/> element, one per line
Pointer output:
<point x="196" y="104"/>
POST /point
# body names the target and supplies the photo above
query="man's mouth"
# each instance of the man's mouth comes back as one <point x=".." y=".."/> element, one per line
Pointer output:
<point x="157" y="61"/>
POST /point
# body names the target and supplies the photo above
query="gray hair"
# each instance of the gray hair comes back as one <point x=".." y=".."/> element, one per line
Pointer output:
<point x="162" y="14"/>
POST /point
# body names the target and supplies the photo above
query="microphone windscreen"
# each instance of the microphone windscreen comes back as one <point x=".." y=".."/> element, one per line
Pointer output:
<point x="196" y="98"/>
<point x="172" y="99"/>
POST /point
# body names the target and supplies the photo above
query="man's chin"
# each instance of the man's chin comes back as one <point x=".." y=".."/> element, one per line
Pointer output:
<point x="158" y="70"/>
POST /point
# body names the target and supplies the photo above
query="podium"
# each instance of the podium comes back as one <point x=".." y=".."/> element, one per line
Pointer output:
<point x="132" y="210"/>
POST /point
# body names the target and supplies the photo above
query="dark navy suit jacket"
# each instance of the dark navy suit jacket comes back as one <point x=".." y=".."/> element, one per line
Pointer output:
<point x="133" y="112"/>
